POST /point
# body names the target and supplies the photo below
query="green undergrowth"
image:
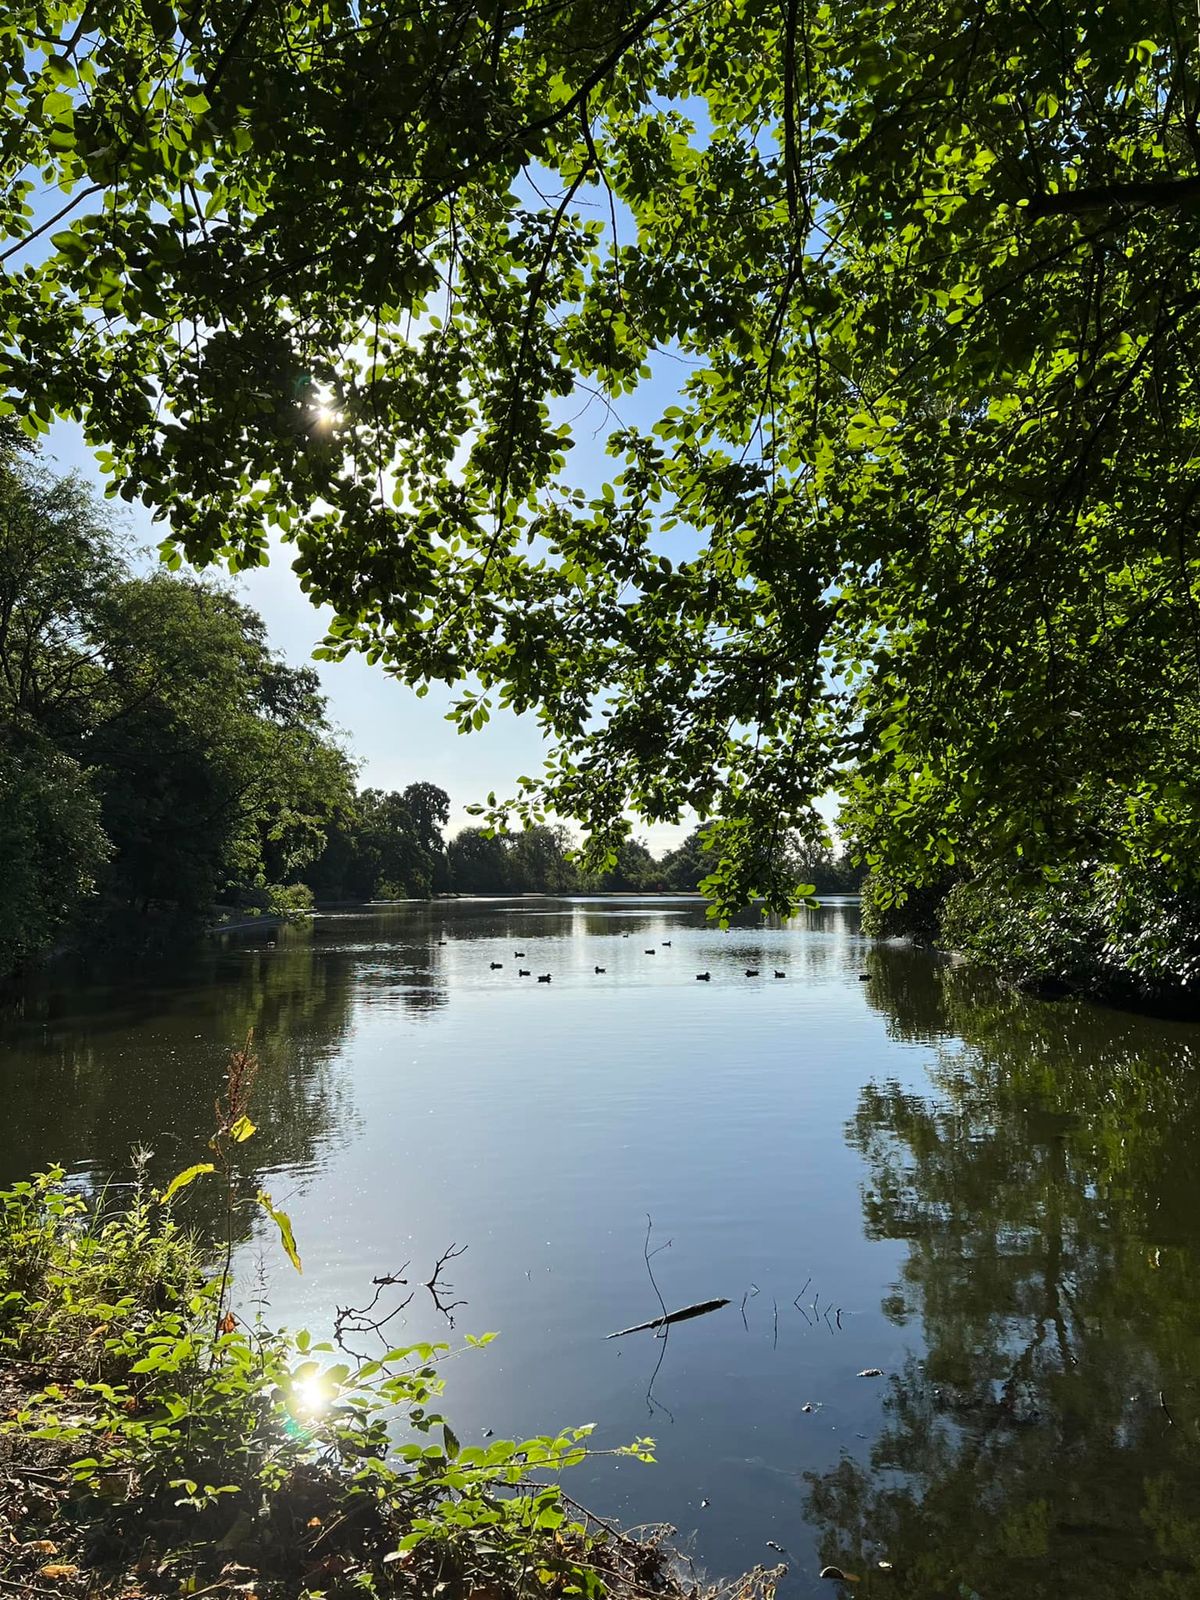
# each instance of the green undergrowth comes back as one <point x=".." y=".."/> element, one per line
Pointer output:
<point x="160" y="1444"/>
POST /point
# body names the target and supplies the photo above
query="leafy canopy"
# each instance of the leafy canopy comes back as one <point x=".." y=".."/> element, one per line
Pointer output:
<point x="923" y="276"/>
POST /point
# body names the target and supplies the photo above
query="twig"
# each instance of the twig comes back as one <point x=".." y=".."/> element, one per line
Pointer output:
<point x="646" y="1251"/>
<point x="665" y="1320"/>
<point x="444" y="1306"/>
<point x="1165" y="1410"/>
<point x="583" y="1510"/>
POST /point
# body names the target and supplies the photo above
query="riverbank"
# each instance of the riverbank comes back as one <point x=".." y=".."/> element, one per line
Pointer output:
<point x="1130" y="941"/>
<point x="152" y="1443"/>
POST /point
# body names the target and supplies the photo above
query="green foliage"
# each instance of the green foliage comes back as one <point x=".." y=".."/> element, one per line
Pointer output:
<point x="186" y="1425"/>
<point x="1100" y="932"/>
<point x="922" y="501"/>
<point x="535" y="860"/>
<point x="289" y="899"/>
<point x="384" y="845"/>
<point x="155" y="754"/>
<point x="52" y="844"/>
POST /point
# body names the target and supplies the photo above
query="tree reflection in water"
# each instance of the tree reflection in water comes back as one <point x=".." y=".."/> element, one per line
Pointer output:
<point x="1048" y="1445"/>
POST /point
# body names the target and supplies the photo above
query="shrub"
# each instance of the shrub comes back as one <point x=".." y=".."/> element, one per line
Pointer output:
<point x="1093" y="931"/>
<point x="211" y="1440"/>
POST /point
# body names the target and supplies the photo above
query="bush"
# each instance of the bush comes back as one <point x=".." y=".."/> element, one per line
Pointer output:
<point x="1099" y="931"/>
<point x="892" y="910"/>
<point x="291" y="900"/>
<point x="314" y="1469"/>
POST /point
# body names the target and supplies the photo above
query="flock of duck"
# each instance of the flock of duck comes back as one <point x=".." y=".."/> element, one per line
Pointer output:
<point x="545" y="977"/>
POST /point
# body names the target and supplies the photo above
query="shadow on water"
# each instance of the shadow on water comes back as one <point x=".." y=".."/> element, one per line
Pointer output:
<point x="1044" y="1185"/>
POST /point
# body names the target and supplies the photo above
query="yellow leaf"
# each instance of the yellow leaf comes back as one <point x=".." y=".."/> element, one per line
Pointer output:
<point x="284" y="1223"/>
<point x="241" y="1130"/>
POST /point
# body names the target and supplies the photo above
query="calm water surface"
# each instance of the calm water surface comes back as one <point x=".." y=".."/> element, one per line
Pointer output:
<point x="992" y="1199"/>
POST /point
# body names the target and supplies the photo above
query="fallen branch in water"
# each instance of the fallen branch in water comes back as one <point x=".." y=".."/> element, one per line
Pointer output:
<point x="699" y="1310"/>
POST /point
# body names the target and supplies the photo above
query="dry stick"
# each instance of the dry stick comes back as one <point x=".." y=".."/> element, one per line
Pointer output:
<point x="775" y="1340"/>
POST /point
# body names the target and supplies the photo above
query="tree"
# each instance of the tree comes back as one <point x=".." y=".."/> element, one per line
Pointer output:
<point x="931" y="281"/>
<point x="536" y="860"/>
<point x="478" y="863"/>
<point x="52" y="844"/>
<point x="213" y="755"/>
<point x="385" y="845"/>
<point x="156" y="754"/>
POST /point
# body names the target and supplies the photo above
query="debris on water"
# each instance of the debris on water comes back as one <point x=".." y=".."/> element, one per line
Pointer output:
<point x="487" y="1433"/>
<point x="885" y="1566"/>
<point x="771" y="1545"/>
<point x="699" y="1310"/>
<point x="871" y="1372"/>
<point x="808" y="1406"/>
<point x="833" y="1572"/>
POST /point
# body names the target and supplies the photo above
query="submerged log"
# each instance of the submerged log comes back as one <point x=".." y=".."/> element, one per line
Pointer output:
<point x="698" y="1310"/>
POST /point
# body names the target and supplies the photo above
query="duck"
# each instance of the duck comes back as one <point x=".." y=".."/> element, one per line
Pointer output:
<point x="599" y="969"/>
<point x="543" y="977"/>
<point x="522" y="972"/>
<point x="777" y="972"/>
<point x="666" y="944"/>
<point x="497" y="966"/>
<point x="752" y="972"/>
<point x="864" y="977"/>
<point x="703" y="977"/>
<point x="518" y="955"/>
<point x="649" y="952"/>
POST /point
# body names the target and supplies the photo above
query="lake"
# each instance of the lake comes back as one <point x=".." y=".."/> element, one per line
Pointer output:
<point x="990" y="1199"/>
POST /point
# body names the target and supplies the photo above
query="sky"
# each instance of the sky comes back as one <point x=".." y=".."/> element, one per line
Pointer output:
<point x="397" y="738"/>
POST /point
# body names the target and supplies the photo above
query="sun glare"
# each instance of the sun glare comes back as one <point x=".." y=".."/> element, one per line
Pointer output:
<point x="311" y="1394"/>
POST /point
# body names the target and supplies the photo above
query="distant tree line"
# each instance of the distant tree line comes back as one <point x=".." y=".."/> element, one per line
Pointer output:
<point x="160" y="763"/>
<point x="541" y="860"/>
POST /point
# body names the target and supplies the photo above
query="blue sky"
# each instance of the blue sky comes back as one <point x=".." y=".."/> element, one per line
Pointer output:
<point x="397" y="737"/>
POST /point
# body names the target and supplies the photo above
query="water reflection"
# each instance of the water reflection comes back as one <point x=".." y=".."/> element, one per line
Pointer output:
<point x="991" y="1198"/>
<point x="1044" y="1185"/>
